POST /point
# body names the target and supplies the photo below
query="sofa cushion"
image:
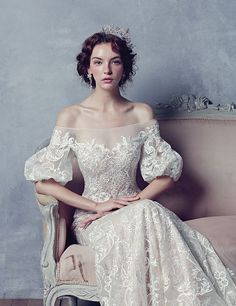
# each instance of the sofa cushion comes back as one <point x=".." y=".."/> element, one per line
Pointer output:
<point x="77" y="265"/>
<point x="221" y="232"/>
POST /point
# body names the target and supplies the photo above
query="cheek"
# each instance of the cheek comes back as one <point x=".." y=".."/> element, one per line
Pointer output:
<point x="96" y="69"/>
<point x="119" y="69"/>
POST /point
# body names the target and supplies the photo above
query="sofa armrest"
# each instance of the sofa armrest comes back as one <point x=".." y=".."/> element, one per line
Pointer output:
<point x="49" y="209"/>
<point x="45" y="199"/>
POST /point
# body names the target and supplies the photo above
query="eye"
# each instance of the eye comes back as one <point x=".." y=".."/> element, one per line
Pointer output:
<point x="97" y="62"/>
<point x="116" y="62"/>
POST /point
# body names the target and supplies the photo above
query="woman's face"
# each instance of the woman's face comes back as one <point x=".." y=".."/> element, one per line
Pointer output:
<point x="106" y="66"/>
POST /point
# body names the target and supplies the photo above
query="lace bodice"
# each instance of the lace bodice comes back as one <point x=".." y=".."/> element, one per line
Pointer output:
<point x="107" y="157"/>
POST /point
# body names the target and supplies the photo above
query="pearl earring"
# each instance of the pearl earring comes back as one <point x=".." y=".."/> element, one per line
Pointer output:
<point x="90" y="80"/>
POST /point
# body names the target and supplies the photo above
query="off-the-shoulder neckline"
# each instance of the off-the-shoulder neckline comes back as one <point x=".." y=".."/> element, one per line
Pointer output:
<point x="149" y="122"/>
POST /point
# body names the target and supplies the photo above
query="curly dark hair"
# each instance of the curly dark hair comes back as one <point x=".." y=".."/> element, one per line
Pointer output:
<point x="118" y="45"/>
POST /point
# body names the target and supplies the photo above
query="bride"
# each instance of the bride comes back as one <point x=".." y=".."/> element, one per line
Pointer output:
<point x="145" y="255"/>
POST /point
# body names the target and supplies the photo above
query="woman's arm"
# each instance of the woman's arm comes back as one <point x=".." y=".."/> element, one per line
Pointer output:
<point x="61" y="193"/>
<point x="156" y="187"/>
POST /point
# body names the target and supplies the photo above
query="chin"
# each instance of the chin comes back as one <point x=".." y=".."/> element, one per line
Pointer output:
<point x="109" y="86"/>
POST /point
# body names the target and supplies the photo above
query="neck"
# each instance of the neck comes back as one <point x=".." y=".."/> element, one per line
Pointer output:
<point x="106" y="101"/>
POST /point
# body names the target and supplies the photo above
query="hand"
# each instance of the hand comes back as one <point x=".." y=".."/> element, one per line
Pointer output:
<point x="107" y="207"/>
<point x="93" y="217"/>
<point x="115" y="203"/>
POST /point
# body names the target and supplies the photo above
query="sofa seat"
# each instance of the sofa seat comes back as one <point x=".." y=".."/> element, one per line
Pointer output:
<point x="77" y="263"/>
<point x="221" y="232"/>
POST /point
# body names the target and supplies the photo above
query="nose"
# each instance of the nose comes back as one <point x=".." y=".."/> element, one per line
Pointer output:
<point x="107" y="68"/>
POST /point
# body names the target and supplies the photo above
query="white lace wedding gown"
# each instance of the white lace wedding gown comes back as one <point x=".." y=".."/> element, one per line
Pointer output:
<point x="145" y="255"/>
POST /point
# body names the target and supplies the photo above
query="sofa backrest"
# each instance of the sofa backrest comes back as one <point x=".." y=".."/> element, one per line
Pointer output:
<point x="207" y="186"/>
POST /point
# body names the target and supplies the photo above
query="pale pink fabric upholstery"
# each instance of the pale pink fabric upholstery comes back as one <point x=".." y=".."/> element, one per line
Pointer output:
<point x="221" y="231"/>
<point x="77" y="264"/>
<point x="207" y="185"/>
<point x="206" y="189"/>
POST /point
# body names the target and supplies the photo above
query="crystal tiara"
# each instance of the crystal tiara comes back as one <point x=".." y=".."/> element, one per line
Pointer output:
<point x="117" y="31"/>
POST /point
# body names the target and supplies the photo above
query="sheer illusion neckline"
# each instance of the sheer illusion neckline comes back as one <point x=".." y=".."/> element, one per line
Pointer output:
<point x="149" y="122"/>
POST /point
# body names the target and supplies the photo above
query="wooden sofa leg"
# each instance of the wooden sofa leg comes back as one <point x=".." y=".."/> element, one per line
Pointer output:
<point x="67" y="301"/>
<point x="87" y="303"/>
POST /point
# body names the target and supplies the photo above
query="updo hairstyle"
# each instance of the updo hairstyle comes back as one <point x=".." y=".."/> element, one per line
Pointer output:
<point x="118" y="45"/>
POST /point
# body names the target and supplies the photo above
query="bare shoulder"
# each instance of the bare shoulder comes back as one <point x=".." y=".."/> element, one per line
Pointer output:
<point x="68" y="115"/>
<point x="144" y="111"/>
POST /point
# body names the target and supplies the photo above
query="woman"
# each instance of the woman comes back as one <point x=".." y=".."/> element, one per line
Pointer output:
<point x="145" y="255"/>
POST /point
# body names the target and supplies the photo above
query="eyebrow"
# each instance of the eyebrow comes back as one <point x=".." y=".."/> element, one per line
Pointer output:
<point x="95" y="57"/>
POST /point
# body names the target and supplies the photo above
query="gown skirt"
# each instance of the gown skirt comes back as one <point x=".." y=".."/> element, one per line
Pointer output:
<point x="146" y="255"/>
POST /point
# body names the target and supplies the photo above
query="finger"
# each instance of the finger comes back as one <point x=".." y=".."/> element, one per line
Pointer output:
<point x="134" y="196"/>
<point x="125" y="203"/>
<point x="88" y="221"/>
<point x="116" y="206"/>
<point x="121" y="202"/>
<point x="85" y="222"/>
<point x="92" y="218"/>
<point x="128" y="198"/>
<point x="133" y="199"/>
<point x="82" y="225"/>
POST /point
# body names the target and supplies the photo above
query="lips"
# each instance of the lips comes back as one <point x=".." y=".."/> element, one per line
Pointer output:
<point x="107" y="79"/>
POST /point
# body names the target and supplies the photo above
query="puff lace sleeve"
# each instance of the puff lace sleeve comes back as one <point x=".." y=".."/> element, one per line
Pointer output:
<point x="158" y="158"/>
<point x="53" y="161"/>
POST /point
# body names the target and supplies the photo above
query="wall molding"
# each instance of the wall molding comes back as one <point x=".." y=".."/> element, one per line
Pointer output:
<point x="191" y="106"/>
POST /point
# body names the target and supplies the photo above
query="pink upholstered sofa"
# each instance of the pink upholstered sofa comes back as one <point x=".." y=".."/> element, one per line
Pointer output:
<point x="204" y="197"/>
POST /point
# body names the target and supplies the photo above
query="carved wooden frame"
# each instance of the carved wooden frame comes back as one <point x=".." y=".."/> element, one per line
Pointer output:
<point x="54" y="289"/>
